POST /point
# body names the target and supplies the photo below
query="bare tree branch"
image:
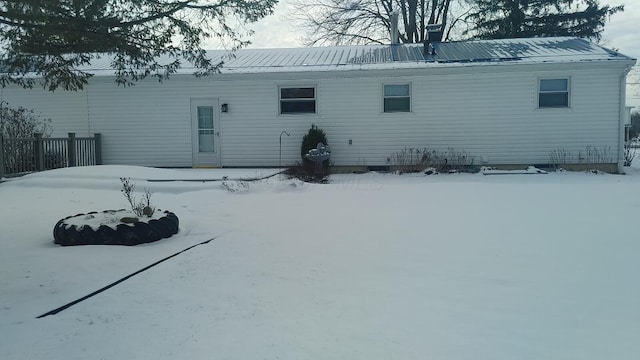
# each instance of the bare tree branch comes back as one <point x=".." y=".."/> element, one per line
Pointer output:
<point x="366" y="21"/>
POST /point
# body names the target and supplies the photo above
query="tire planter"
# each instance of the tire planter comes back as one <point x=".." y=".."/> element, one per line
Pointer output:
<point x="135" y="233"/>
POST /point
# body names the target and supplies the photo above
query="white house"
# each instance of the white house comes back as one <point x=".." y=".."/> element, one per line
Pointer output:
<point x="505" y="102"/>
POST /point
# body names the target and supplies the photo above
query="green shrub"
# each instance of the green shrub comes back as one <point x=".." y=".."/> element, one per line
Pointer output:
<point x="306" y="170"/>
<point x="314" y="136"/>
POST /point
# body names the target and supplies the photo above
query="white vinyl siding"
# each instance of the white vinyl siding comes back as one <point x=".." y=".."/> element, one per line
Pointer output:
<point x="553" y="93"/>
<point x="396" y="98"/>
<point x="67" y="109"/>
<point x="488" y="112"/>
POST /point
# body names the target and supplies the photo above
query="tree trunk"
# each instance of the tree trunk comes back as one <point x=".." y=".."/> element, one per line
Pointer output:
<point x="412" y="31"/>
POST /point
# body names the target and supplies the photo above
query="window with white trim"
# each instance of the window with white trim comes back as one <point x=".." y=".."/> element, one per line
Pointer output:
<point x="397" y="98"/>
<point x="553" y="93"/>
<point x="297" y="100"/>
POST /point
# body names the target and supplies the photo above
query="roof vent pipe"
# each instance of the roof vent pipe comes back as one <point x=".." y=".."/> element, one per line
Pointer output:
<point x="394" y="28"/>
<point x="434" y="35"/>
<point x="434" y="32"/>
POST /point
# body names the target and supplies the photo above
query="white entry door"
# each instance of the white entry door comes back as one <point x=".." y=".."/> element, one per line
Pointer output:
<point x="205" y="132"/>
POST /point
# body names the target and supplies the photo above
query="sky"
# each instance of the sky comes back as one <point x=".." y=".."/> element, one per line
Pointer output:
<point x="621" y="33"/>
<point x="276" y="31"/>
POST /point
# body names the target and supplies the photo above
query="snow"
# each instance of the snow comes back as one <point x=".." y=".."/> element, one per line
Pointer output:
<point x="110" y="218"/>
<point x="370" y="266"/>
<point x="531" y="170"/>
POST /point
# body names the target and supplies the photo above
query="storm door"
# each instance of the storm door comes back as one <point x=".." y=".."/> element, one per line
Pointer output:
<point x="205" y="132"/>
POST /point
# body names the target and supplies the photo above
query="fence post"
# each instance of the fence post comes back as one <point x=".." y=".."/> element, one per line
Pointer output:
<point x="71" y="149"/>
<point x="38" y="149"/>
<point x="98" y="145"/>
<point x="1" y="157"/>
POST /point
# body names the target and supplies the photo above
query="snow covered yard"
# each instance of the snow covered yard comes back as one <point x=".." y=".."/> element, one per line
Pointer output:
<point x="371" y="266"/>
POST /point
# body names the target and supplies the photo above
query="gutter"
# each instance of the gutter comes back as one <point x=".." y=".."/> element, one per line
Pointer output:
<point x="622" y="116"/>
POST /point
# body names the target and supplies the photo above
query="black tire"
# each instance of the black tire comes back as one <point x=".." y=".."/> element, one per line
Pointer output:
<point x="124" y="234"/>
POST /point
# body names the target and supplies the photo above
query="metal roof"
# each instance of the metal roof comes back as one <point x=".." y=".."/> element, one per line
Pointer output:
<point x="547" y="49"/>
<point x="527" y="50"/>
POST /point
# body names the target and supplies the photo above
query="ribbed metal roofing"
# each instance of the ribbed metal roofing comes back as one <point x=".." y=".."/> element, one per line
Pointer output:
<point x="549" y="49"/>
<point x="531" y="50"/>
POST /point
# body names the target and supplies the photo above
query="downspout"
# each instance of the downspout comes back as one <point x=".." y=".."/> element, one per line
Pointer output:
<point x="622" y="117"/>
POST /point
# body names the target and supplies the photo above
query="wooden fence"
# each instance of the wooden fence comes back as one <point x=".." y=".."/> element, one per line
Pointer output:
<point x="18" y="156"/>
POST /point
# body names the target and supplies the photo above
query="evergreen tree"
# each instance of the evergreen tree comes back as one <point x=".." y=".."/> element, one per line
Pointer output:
<point x="500" y="19"/>
<point x="311" y="139"/>
<point x="53" y="39"/>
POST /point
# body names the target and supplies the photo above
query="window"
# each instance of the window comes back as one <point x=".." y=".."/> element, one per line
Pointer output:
<point x="397" y="98"/>
<point x="205" y="129"/>
<point x="554" y="93"/>
<point x="297" y="100"/>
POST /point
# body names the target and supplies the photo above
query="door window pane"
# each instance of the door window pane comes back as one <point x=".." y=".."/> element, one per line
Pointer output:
<point x="206" y="131"/>
<point x="205" y="141"/>
<point x="205" y="117"/>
